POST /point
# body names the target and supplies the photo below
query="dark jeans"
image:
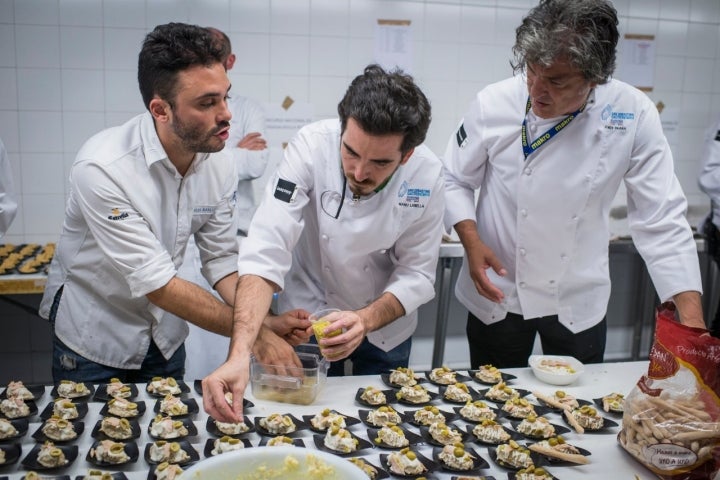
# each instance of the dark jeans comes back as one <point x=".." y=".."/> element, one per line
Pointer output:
<point x="68" y="365"/>
<point x="509" y="342"/>
<point x="368" y="359"/>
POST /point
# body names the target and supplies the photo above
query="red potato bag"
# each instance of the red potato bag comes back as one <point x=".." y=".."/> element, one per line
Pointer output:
<point x="671" y="417"/>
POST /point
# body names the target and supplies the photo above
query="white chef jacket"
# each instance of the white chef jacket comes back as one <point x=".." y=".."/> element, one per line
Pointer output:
<point x="546" y="218"/>
<point x="247" y="116"/>
<point x="710" y="176"/>
<point x="8" y="198"/>
<point x="385" y="242"/>
<point x="127" y="223"/>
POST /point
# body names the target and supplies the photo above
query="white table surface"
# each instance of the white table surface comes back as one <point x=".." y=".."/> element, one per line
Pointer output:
<point x="339" y="393"/>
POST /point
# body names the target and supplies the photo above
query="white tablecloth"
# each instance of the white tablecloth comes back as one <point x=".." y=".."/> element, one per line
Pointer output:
<point x="607" y="459"/>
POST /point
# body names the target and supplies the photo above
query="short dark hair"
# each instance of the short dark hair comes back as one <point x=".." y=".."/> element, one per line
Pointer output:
<point x="583" y="30"/>
<point x="223" y="42"/>
<point x="169" y="49"/>
<point x="387" y="102"/>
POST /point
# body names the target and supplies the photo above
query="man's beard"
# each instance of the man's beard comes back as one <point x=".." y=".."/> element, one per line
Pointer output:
<point x="194" y="140"/>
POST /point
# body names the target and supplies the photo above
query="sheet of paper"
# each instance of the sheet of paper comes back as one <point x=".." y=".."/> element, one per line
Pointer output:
<point x="393" y="44"/>
<point x="637" y="61"/>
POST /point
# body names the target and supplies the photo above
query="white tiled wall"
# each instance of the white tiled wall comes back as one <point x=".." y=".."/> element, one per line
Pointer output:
<point x="67" y="68"/>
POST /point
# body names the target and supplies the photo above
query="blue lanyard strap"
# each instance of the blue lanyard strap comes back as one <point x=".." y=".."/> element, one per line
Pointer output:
<point x="529" y="148"/>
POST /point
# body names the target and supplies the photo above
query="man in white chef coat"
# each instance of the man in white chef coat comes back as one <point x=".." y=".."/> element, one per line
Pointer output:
<point x="546" y="151"/>
<point x="8" y="198"/>
<point x="709" y="181"/>
<point x="351" y="220"/>
<point x="138" y="192"/>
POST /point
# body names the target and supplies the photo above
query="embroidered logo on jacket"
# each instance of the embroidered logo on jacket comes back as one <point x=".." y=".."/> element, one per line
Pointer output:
<point x="115" y="214"/>
<point x="285" y="191"/>
<point x="717" y="136"/>
<point x="461" y="136"/>
<point x="412" y="197"/>
<point x="616" y="120"/>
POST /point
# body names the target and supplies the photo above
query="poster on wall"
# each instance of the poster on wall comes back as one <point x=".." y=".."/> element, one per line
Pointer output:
<point x="393" y="44"/>
<point x="637" y="61"/>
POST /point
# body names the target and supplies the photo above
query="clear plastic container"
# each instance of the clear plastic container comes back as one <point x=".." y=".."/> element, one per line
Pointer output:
<point x="300" y="386"/>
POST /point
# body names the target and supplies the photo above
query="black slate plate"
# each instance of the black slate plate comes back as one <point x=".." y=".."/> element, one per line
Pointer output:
<point x="459" y="377"/>
<point x="559" y="430"/>
<point x="425" y="433"/>
<point x="100" y="435"/>
<point x="82" y="409"/>
<point x="538" y="460"/>
<point x="197" y="386"/>
<point x="513" y="435"/>
<point x="32" y="406"/>
<point x="299" y="427"/>
<point x="385" y="377"/>
<point x="607" y="425"/>
<point x="389" y="398"/>
<point x="115" y="476"/>
<point x="413" y="439"/>
<point x="363" y="414"/>
<point x="192" y="407"/>
<point x="187" y="423"/>
<point x="30" y="461"/>
<point x="473" y="395"/>
<point x="184" y="444"/>
<point x="381" y="473"/>
<point x="140" y="408"/>
<point x="408" y="416"/>
<point x="210" y="445"/>
<point x="12" y="453"/>
<point x="320" y="444"/>
<point x="556" y="462"/>
<point x="540" y="410"/>
<point x="101" y="394"/>
<point x="41" y="437"/>
<point x="599" y="403"/>
<point x="580" y="401"/>
<point x="404" y="401"/>
<point x="212" y="429"/>
<point x="131" y="450"/>
<point x="490" y="406"/>
<point x="430" y="465"/>
<point x="297" y="442"/>
<point x="37" y="390"/>
<point x="479" y="463"/>
<point x="349" y="422"/>
<point x="513" y="476"/>
<point x="81" y="398"/>
<point x="47" y="477"/>
<point x="506" y="377"/>
<point x="21" y="425"/>
<point x="184" y="389"/>
<point x="482" y="393"/>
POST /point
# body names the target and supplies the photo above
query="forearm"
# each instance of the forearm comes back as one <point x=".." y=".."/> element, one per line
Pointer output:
<point x="381" y="312"/>
<point x="689" y="309"/>
<point x="252" y="303"/>
<point x="226" y="288"/>
<point x="468" y="234"/>
<point x="194" y="304"/>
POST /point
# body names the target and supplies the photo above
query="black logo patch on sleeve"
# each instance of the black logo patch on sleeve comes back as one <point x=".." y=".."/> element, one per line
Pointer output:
<point x="461" y="136"/>
<point x="717" y="136"/>
<point x="285" y="191"/>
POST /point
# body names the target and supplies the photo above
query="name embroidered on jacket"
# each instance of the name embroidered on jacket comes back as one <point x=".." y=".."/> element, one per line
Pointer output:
<point x="116" y="215"/>
<point x="203" y="210"/>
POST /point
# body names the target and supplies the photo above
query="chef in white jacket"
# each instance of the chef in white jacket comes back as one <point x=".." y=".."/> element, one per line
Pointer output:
<point x="546" y="150"/>
<point x="709" y="181"/>
<point x="352" y="220"/>
<point x="8" y="198"/>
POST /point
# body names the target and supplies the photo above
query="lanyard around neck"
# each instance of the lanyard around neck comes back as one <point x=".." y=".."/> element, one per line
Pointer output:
<point x="529" y="148"/>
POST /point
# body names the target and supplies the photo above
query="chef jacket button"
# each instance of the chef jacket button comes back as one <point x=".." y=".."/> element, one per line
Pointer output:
<point x="574" y="217"/>
<point x="327" y="269"/>
<point x="563" y="257"/>
<point x="366" y="268"/>
<point x="324" y="237"/>
<point x="522" y="252"/>
<point x="523" y="212"/>
<point x="522" y="284"/>
<point x="552" y="282"/>
<point x="527" y="171"/>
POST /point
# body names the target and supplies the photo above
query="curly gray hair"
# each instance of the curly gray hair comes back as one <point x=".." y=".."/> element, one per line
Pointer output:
<point x="584" y="31"/>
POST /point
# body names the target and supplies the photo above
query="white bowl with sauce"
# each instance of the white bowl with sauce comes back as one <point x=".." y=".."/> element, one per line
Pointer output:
<point x="556" y="369"/>
<point x="249" y="464"/>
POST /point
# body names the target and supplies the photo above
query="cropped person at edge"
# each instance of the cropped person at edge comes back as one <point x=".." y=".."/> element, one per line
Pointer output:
<point x="546" y="150"/>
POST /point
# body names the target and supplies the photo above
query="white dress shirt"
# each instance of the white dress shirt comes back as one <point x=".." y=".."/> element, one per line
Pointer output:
<point x="127" y="223"/>
<point x="710" y="176"/>
<point x="8" y="198"/>
<point x="546" y="218"/>
<point x="384" y="242"/>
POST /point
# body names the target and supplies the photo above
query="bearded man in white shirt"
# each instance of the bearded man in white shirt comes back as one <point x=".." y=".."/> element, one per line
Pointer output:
<point x="546" y="151"/>
<point x="138" y="192"/>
